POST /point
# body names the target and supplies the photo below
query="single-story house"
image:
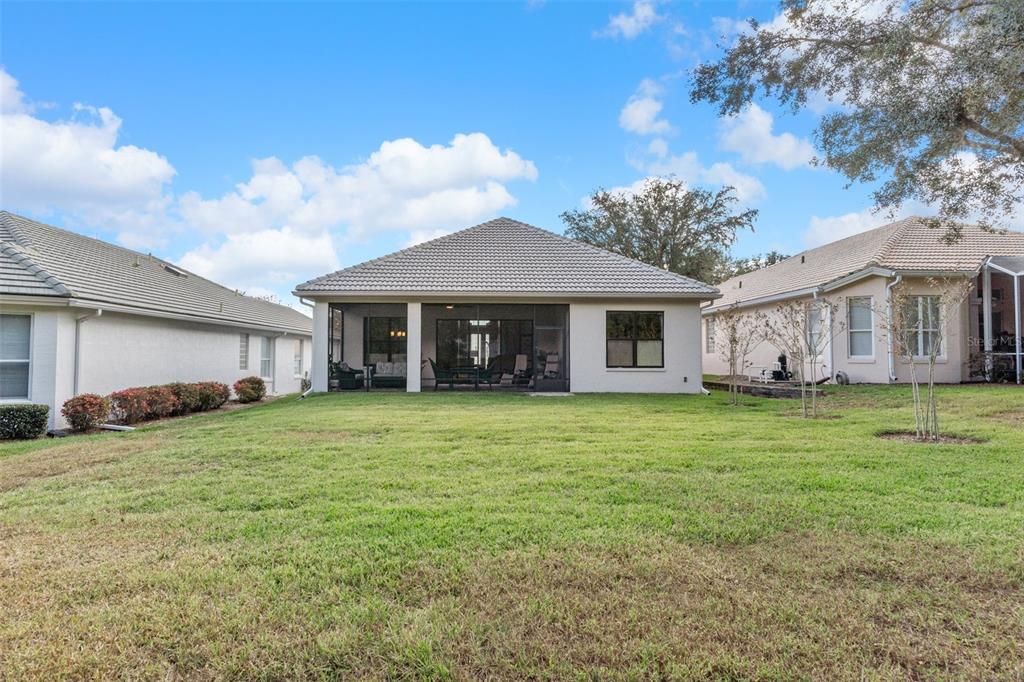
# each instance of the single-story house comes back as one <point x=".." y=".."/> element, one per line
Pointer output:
<point x="507" y="305"/>
<point x="982" y="339"/>
<point x="79" y="315"/>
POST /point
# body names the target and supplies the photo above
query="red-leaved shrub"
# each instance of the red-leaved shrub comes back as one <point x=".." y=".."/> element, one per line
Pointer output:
<point x="212" y="394"/>
<point x="187" y="395"/>
<point x="86" y="411"/>
<point x="250" y="389"/>
<point x="133" y="405"/>
<point x="160" y="402"/>
<point x="129" y="406"/>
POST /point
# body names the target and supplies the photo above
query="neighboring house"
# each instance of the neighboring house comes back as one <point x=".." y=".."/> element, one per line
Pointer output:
<point x="78" y="315"/>
<point x="858" y="273"/>
<point x="510" y="305"/>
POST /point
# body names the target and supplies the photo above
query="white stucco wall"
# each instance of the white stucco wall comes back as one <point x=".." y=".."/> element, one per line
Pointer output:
<point x="587" y="350"/>
<point x="951" y="367"/>
<point x="120" y="351"/>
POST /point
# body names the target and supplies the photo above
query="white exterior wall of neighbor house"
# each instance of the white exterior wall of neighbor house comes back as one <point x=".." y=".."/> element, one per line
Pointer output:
<point x="120" y="351"/>
<point x="951" y="367"/>
<point x="587" y="349"/>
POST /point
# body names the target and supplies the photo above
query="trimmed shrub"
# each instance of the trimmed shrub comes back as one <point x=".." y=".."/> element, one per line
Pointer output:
<point x="160" y="402"/>
<point x="250" y="389"/>
<point x="188" y="397"/>
<point x="212" y="394"/>
<point x="129" y="406"/>
<point x="86" y="411"/>
<point x="23" y="421"/>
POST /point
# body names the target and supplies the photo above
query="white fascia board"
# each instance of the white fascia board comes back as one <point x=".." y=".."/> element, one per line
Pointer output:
<point x="145" y="312"/>
<point x="873" y="271"/>
<point x="774" y="298"/>
<point x="498" y="296"/>
<point x="25" y="299"/>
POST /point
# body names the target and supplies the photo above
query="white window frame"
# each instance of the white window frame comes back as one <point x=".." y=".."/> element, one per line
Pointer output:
<point x="299" y="360"/>
<point x="19" y="361"/>
<point x="919" y="352"/>
<point x="709" y="334"/>
<point x="243" y="352"/>
<point x="267" y="356"/>
<point x="814" y="332"/>
<point x="851" y="330"/>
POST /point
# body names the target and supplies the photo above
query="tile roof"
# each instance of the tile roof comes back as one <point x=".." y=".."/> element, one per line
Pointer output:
<point x="41" y="260"/>
<point x="505" y="256"/>
<point x="908" y="245"/>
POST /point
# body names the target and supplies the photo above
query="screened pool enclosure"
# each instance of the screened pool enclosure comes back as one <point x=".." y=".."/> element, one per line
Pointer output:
<point x="463" y="345"/>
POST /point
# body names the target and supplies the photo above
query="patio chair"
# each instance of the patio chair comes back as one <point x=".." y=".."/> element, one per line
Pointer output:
<point x="551" y="366"/>
<point x="492" y="373"/>
<point x="348" y="379"/>
<point x="442" y="375"/>
<point x="520" y="374"/>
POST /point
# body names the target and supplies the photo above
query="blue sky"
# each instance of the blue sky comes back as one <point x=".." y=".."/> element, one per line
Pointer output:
<point x="263" y="144"/>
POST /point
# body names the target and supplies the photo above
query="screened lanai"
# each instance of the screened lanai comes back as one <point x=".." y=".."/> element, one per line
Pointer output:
<point x="997" y="310"/>
<point x="464" y="346"/>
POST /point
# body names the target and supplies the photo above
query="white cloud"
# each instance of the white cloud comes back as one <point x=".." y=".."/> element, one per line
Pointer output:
<point x="688" y="168"/>
<point x="750" y="135"/>
<point x="404" y="185"/>
<point x="640" y="115"/>
<point x="829" y="229"/>
<point x="630" y="25"/>
<point x="420" y="236"/>
<point x="12" y="100"/>
<point x="658" y="147"/>
<point x="276" y="228"/>
<point x="76" y="166"/>
<point x="264" y="260"/>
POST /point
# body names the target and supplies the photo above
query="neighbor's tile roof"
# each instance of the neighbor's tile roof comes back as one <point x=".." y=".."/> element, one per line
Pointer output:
<point x="41" y="260"/>
<point x="908" y="245"/>
<point x="505" y="256"/>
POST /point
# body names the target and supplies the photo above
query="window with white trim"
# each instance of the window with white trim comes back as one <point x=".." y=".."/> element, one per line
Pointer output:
<point x="709" y="339"/>
<point x="266" y="346"/>
<point x="243" y="351"/>
<point x="860" y="325"/>
<point x="634" y="338"/>
<point x="15" y="356"/>
<point x="298" y="357"/>
<point x="923" y="322"/>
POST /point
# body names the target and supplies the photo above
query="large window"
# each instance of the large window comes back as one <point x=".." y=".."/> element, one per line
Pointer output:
<point x="923" y="325"/>
<point x="464" y="343"/>
<point x="709" y="339"/>
<point x="243" y="351"/>
<point x="385" y="340"/>
<point x="860" y="327"/>
<point x="266" y="366"/>
<point x="634" y="339"/>
<point x="15" y="358"/>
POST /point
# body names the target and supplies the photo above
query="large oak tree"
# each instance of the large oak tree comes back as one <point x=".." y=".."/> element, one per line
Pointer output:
<point x="930" y="95"/>
<point x="666" y="224"/>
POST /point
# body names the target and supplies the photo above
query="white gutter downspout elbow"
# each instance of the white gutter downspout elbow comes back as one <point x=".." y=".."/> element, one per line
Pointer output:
<point x="888" y="337"/>
<point x="78" y="348"/>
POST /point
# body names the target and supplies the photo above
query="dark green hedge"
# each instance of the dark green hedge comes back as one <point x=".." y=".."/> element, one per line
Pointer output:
<point x="23" y="421"/>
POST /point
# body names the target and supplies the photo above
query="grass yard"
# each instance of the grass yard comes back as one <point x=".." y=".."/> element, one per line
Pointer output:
<point x="475" y="536"/>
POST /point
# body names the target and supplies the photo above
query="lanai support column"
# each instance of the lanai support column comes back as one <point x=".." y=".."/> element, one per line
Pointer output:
<point x="321" y="339"/>
<point x="1016" y="321"/>
<point x="986" y="316"/>
<point x="414" y="347"/>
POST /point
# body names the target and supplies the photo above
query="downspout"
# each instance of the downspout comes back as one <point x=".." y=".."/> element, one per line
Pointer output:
<point x="888" y="337"/>
<point x="1016" y="305"/>
<point x="78" y="348"/>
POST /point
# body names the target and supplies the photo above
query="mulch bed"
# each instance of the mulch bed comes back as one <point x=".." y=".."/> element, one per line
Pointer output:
<point x="911" y="437"/>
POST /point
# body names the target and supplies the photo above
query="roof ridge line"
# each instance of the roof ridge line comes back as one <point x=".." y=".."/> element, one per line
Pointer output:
<point x="16" y="252"/>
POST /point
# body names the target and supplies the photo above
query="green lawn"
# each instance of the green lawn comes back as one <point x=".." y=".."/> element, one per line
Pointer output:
<point x="502" y="536"/>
